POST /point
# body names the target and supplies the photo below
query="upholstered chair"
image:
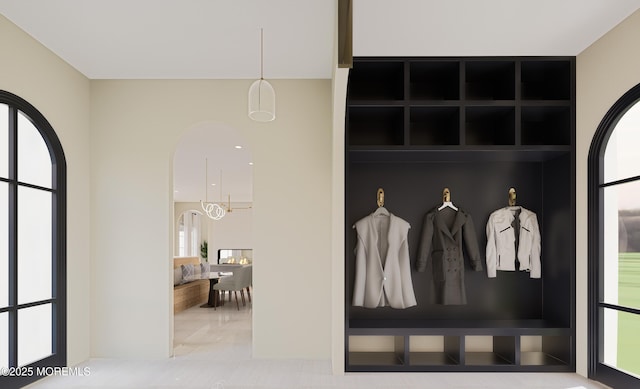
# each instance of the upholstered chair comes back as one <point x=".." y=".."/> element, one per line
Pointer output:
<point x="238" y="282"/>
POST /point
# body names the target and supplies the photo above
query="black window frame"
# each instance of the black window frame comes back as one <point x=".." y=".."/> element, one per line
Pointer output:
<point x="58" y="189"/>
<point x="596" y="370"/>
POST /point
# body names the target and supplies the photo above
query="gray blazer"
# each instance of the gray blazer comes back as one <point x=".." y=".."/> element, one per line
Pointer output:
<point x="380" y="279"/>
<point x="440" y="253"/>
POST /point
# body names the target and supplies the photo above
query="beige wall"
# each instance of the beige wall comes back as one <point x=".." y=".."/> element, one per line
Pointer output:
<point x="61" y="94"/>
<point x="136" y="126"/>
<point x="605" y="71"/>
<point x="340" y="80"/>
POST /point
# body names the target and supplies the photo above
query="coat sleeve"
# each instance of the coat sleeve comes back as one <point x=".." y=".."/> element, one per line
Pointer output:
<point x="408" y="296"/>
<point x="536" y="267"/>
<point x="492" y="252"/>
<point x="361" y="272"/>
<point x="426" y="239"/>
<point x="471" y="242"/>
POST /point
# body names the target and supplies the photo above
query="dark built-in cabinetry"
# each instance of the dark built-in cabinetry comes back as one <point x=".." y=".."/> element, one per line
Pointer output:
<point x="477" y="126"/>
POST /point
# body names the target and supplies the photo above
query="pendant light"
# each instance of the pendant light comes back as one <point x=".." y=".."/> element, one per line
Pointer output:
<point x="262" y="97"/>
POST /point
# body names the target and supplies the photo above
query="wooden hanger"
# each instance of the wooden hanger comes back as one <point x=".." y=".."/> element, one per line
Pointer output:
<point x="446" y="200"/>
<point x="381" y="211"/>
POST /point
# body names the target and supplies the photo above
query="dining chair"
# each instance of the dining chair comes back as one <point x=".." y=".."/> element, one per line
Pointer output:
<point x="250" y="285"/>
<point x="235" y="283"/>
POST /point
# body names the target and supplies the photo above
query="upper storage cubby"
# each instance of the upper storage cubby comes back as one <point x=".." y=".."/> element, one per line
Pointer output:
<point x="490" y="80"/>
<point x="490" y="126"/>
<point x="420" y="103"/>
<point x="546" y="80"/>
<point x="546" y="125"/>
<point x="434" y="80"/>
<point x="380" y="81"/>
<point x="376" y="126"/>
<point x="435" y="126"/>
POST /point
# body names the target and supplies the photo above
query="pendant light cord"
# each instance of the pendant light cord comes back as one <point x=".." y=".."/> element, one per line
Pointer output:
<point x="206" y="177"/>
<point x="261" y="54"/>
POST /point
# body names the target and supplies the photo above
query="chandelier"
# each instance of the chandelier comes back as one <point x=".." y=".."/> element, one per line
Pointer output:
<point x="211" y="209"/>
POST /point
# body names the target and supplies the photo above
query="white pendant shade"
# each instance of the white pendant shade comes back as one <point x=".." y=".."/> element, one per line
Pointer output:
<point x="262" y="101"/>
<point x="262" y="97"/>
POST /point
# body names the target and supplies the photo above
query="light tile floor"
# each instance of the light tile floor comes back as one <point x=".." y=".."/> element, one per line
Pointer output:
<point x="213" y="351"/>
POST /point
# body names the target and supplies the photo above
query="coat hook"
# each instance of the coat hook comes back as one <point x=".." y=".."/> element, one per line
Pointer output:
<point x="380" y="197"/>
<point x="512" y="197"/>
<point x="446" y="195"/>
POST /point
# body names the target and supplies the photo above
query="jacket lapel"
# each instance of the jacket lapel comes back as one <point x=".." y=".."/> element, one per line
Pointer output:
<point x="390" y="238"/>
<point x="373" y="228"/>
<point x="442" y="226"/>
<point x="524" y="217"/>
<point x="457" y="224"/>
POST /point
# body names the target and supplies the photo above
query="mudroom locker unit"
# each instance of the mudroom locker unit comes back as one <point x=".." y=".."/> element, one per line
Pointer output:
<point x="477" y="126"/>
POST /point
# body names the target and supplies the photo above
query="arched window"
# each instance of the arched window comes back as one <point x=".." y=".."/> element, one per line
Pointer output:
<point x="189" y="233"/>
<point x="32" y="244"/>
<point x="614" y="245"/>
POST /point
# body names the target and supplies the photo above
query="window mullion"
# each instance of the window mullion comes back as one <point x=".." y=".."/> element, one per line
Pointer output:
<point x="13" y="236"/>
<point x="622" y="181"/>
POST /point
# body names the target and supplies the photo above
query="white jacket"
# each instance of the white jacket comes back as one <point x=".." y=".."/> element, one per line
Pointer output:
<point x="501" y="247"/>
<point x="383" y="270"/>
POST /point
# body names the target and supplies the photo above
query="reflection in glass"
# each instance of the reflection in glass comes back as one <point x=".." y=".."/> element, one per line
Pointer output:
<point x="34" y="160"/>
<point x="34" y="245"/>
<point x="240" y="256"/>
<point x="621" y="157"/>
<point x="4" y="141"/>
<point x="4" y="340"/>
<point x="34" y="334"/>
<point x="621" y="330"/>
<point x="4" y="245"/>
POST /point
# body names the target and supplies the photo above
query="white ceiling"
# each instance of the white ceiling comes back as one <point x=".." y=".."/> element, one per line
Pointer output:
<point x="220" y="39"/>
<point x="178" y="39"/>
<point x="483" y="27"/>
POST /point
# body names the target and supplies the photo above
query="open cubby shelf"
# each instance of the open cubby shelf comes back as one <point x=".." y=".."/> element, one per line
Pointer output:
<point x="489" y="79"/>
<point x="431" y="80"/>
<point x="457" y="353"/>
<point x="546" y="80"/>
<point x="461" y="101"/>
<point x="477" y="126"/>
<point x="454" y="327"/>
<point x="377" y="81"/>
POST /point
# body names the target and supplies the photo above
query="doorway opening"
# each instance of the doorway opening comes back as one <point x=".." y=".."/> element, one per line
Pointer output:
<point x="213" y="216"/>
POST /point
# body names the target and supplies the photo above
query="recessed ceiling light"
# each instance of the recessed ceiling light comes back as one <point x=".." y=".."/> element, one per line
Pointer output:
<point x="213" y="184"/>
<point x="251" y="163"/>
<point x="238" y="147"/>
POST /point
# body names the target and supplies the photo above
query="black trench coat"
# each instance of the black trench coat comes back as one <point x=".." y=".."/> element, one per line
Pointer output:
<point x="440" y="253"/>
